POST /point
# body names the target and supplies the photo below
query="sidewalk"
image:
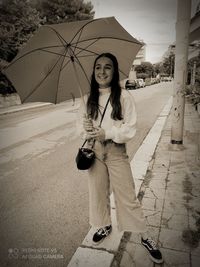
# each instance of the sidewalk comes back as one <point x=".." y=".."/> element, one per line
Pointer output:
<point x="22" y="107"/>
<point x="37" y="105"/>
<point x="171" y="200"/>
<point x="170" y="193"/>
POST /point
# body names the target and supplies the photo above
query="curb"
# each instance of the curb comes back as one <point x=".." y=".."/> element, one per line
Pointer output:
<point x="38" y="105"/>
<point x="103" y="255"/>
<point x="23" y="107"/>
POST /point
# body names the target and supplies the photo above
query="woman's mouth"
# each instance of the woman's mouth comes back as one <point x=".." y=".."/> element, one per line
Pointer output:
<point x="102" y="77"/>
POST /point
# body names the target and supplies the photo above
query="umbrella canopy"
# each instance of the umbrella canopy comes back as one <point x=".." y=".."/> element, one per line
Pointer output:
<point x="46" y="69"/>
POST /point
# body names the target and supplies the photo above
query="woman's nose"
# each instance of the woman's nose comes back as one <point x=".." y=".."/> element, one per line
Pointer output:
<point x="102" y="70"/>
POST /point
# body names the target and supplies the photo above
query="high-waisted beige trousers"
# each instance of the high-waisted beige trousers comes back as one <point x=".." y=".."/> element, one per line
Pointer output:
<point x="112" y="170"/>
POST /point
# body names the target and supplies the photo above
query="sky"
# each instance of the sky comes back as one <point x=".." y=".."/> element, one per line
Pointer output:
<point x="153" y="21"/>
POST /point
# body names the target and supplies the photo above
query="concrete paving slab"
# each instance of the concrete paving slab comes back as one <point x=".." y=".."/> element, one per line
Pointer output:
<point x="157" y="183"/>
<point x="157" y="193"/>
<point x="160" y="168"/>
<point x="152" y="204"/>
<point x="195" y="261"/>
<point x="162" y="156"/>
<point x="174" y="221"/>
<point x="153" y="218"/>
<point x="152" y="231"/>
<point x="174" y="258"/>
<point x="87" y="257"/>
<point x="178" y="165"/>
<point x="172" y="239"/>
<point x="162" y="162"/>
<point x="178" y="207"/>
<point x="158" y="175"/>
<point x="175" y="180"/>
<point x="195" y="251"/>
<point x="193" y="220"/>
<point x="175" y="194"/>
<point x="135" y="255"/>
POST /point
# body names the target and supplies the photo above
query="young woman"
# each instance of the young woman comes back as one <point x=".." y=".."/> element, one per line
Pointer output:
<point x="111" y="167"/>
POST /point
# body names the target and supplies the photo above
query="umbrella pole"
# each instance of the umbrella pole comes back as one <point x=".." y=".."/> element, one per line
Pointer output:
<point x="79" y="86"/>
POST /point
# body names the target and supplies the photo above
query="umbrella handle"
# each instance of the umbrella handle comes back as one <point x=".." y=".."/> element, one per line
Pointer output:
<point x="79" y="86"/>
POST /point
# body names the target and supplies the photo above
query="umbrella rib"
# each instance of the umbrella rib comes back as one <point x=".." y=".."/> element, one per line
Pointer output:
<point x="85" y="48"/>
<point x="54" y="53"/>
<point x="81" y="29"/>
<point x="36" y="87"/>
<point x="80" y="52"/>
<point x="95" y="40"/>
<point x="58" y="34"/>
<point x="78" y="39"/>
<point x="79" y="63"/>
<point x="108" y="37"/>
<point x="59" y="77"/>
<point x="92" y="54"/>
<point x="88" y="55"/>
<point x="29" y="52"/>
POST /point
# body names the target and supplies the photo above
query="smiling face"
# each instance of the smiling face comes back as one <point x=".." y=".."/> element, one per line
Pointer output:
<point x="103" y="72"/>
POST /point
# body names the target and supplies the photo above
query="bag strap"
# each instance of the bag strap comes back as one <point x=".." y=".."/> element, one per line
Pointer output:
<point x="104" y="111"/>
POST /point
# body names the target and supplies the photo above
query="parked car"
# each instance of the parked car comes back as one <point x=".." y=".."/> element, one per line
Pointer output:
<point x="166" y="79"/>
<point x="131" y="84"/>
<point x="141" y="83"/>
<point x="153" y="80"/>
<point x="148" y="81"/>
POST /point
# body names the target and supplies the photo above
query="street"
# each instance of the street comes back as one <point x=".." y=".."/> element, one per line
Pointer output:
<point x="43" y="197"/>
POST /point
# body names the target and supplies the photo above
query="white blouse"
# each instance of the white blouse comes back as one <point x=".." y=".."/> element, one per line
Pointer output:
<point x="120" y="131"/>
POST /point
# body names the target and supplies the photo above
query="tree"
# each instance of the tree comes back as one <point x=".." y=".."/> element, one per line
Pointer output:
<point x="168" y="65"/>
<point x="18" y="20"/>
<point x="157" y="67"/>
<point x="145" y="68"/>
<point x="190" y="68"/>
<point x="57" y="11"/>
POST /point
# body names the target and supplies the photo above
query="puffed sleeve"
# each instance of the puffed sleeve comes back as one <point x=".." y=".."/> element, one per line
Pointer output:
<point x="123" y="132"/>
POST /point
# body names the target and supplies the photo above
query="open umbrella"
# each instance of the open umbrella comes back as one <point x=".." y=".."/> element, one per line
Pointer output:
<point x="56" y="63"/>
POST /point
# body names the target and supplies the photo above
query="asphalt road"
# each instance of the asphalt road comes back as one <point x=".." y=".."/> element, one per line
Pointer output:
<point x="43" y="197"/>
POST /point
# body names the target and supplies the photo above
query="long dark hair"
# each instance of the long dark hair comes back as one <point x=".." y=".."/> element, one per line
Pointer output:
<point x="93" y="99"/>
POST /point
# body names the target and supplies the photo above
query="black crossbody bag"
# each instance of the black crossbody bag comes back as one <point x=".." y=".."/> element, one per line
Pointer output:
<point x="86" y="156"/>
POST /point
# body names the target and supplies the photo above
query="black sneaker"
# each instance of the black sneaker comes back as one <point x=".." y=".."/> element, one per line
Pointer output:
<point x="101" y="233"/>
<point x="153" y="250"/>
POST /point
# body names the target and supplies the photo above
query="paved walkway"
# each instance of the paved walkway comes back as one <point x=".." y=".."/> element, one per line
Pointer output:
<point x="170" y="194"/>
<point x="171" y="200"/>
